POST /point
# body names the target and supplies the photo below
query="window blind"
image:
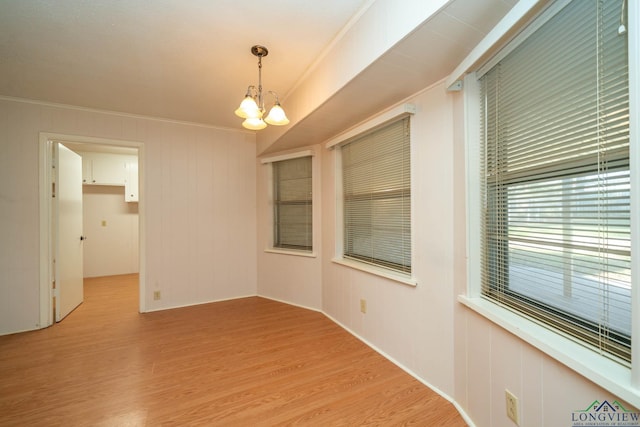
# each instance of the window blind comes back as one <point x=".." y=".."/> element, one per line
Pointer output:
<point x="556" y="190"/>
<point x="376" y="179"/>
<point x="292" y="204"/>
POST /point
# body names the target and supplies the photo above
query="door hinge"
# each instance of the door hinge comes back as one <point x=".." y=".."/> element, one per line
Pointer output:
<point x="55" y="292"/>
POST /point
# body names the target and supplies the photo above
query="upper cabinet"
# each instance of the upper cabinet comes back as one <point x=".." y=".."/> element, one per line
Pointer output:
<point x="104" y="168"/>
<point x="111" y="169"/>
<point x="131" y="182"/>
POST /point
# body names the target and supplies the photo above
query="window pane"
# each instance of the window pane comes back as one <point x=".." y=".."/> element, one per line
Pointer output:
<point x="377" y="197"/>
<point x="557" y="249"/>
<point x="292" y="204"/>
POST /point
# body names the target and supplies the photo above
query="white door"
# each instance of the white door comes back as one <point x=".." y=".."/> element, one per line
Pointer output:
<point x="68" y="238"/>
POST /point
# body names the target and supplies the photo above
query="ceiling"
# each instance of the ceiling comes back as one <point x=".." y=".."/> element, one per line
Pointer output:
<point x="191" y="61"/>
<point x="183" y="60"/>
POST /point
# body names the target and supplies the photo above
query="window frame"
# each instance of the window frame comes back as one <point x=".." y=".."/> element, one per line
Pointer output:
<point x="620" y="380"/>
<point x="385" y="118"/>
<point x="268" y="162"/>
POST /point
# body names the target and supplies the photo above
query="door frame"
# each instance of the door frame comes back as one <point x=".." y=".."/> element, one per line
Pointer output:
<point x="46" y="141"/>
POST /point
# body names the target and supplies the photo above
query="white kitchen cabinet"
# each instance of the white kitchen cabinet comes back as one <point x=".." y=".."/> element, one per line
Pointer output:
<point x="87" y="169"/>
<point x="131" y="182"/>
<point x="111" y="169"/>
<point x="104" y="169"/>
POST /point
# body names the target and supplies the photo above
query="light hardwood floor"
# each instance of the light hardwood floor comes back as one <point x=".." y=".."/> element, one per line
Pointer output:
<point x="246" y="362"/>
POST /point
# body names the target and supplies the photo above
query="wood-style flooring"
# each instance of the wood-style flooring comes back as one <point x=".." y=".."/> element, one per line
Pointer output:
<point x="246" y="362"/>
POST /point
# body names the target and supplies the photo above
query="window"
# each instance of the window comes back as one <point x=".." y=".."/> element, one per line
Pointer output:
<point x="555" y="192"/>
<point x="292" y="204"/>
<point x="376" y="188"/>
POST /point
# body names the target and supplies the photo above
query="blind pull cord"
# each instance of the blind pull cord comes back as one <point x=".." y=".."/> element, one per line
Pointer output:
<point x="622" y="29"/>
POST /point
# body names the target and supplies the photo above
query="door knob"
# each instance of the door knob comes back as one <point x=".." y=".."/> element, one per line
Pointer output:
<point x="83" y="237"/>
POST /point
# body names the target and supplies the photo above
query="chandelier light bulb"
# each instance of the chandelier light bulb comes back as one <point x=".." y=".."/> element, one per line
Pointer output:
<point x="254" y="123"/>
<point x="248" y="108"/>
<point x="277" y="116"/>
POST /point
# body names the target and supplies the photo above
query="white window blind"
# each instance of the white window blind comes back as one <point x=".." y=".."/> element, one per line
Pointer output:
<point x="292" y="204"/>
<point x="376" y="179"/>
<point x="556" y="189"/>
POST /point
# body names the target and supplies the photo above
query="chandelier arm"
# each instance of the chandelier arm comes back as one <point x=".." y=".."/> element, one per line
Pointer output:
<point x="276" y="95"/>
<point x="252" y="91"/>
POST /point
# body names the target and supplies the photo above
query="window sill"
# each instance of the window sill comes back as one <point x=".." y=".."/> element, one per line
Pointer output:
<point x="604" y="372"/>
<point x="290" y="252"/>
<point x="382" y="272"/>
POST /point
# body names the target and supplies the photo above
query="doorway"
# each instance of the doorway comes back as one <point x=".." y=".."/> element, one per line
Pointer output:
<point x="49" y="237"/>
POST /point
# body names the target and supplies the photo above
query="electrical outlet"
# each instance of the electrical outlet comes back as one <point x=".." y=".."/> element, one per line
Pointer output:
<point x="363" y="305"/>
<point x="512" y="407"/>
<point x="156" y="295"/>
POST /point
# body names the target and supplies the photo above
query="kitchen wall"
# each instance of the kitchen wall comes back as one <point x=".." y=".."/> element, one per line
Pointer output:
<point x="111" y="227"/>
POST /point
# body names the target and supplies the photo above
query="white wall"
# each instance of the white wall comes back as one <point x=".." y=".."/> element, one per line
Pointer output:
<point x="112" y="248"/>
<point x="199" y="197"/>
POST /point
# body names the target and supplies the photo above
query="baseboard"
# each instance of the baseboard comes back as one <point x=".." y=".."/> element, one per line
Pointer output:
<point x="444" y="395"/>
<point x="290" y="303"/>
<point x="173" y="307"/>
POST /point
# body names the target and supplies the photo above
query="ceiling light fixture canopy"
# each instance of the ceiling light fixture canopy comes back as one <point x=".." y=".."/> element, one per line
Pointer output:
<point x="252" y="106"/>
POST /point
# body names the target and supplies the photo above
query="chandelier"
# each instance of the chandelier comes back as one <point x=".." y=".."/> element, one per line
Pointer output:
<point x="252" y="106"/>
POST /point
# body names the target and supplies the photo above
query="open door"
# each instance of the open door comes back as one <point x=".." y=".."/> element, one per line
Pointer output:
<point x="68" y="237"/>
